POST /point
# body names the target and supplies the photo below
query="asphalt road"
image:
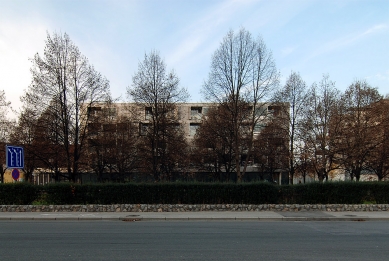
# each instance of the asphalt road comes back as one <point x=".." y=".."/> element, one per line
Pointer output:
<point x="120" y="240"/>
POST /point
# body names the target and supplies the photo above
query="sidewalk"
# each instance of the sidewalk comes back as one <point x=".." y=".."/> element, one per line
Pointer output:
<point x="199" y="216"/>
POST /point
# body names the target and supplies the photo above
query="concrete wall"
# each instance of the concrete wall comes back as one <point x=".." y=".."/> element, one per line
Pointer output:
<point x="192" y="208"/>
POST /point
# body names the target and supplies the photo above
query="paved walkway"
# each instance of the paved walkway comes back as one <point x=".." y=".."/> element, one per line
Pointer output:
<point x="204" y="216"/>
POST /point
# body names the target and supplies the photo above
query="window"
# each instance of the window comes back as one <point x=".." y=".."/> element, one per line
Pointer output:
<point x="205" y="110"/>
<point x="258" y="127"/>
<point x="193" y="128"/>
<point x="148" y="113"/>
<point x="260" y="111"/>
<point x="195" y="113"/>
<point x="110" y="112"/>
<point x="111" y="128"/>
<point x="275" y="110"/>
<point x="93" y="110"/>
<point x="94" y="128"/>
<point x="143" y="129"/>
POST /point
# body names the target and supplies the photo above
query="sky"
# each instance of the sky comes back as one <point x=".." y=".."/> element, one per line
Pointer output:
<point x="346" y="39"/>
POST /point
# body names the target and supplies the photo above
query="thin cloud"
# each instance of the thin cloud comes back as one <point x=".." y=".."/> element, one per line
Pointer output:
<point x="353" y="38"/>
<point x="276" y="14"/>
<point x="348" y="40"/>
<point x="200" y="38"/>
<point x="205" y="28"/>
<point x="382" y="76"/>
<point x="288" y="50"/>
<point x="374" y="29"/>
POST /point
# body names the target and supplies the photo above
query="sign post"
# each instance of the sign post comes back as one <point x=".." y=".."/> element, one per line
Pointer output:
<point x="15" y="157"/>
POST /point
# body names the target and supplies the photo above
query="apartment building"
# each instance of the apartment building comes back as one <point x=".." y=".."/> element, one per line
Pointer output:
<point x="111" y="118"/>
<point x="188" y="115"/>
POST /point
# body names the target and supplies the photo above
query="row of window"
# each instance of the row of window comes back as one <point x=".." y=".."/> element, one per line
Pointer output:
<point x="94" y="128"/>
<point x="196" y="112"/>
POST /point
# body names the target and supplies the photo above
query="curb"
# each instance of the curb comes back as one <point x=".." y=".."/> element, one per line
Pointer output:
<point x="270" y="216"/>
<point x="125" y="219"/>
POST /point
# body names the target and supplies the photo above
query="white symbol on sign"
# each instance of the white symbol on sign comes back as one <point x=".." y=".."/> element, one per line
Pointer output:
<point x="16" y="156"/>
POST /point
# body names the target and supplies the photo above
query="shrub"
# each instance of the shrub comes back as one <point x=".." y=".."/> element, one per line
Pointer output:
<point x="195" y="193"/>
<point x="18" y="193"/>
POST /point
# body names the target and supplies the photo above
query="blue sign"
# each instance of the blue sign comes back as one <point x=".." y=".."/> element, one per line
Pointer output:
<point x="15" y="157"/>
<point x="15" y="174"/>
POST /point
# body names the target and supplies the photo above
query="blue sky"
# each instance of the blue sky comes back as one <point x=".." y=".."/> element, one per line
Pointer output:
<point x="347" y="39"/>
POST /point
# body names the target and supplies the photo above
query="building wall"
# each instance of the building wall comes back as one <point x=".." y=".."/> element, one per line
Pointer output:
<point x="189" y="114"/>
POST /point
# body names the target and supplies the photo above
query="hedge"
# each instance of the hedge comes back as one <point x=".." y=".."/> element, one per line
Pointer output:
<point x="18" y="193"/>
<point x="195" y="193"/>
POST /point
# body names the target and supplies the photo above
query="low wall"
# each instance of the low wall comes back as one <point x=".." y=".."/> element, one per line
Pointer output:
<point x="189" y="208"/>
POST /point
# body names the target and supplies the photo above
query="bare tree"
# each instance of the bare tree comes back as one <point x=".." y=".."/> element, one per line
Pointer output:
<point x="242" y="72"/>
<point x="5" y="108"/>
<point x="64" y="85"/>
<point x="38" y="134"/>
<point x="112" y="142"/>
<point x="214" y="142"/>
<point x="271" y="150"/>
<point x="295" y="94"/>
<point x="319" y="126"/>
<point x="5" y="126"/>
<point x="305" y="162"/>
<point x="378" y="160"/>
<point x="156" y="92"/>
<point x="356" y="141"/>
<point x="23" y="135"/>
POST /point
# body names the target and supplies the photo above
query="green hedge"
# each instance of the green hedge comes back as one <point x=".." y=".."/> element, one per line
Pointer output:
<point x="172" y="193"/>
<point x="18" y="193"/>
<point x="332" y="193"/>
<point x="195" y="193"/>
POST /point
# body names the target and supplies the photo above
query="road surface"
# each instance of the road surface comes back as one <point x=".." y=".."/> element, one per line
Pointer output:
<point x="193" y="240"/>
